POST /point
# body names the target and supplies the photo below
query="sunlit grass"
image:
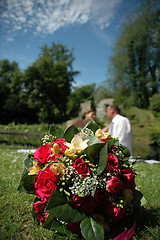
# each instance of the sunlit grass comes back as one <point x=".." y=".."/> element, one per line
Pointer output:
<point x="148" y="182"/>
<point x="16" y="218"/>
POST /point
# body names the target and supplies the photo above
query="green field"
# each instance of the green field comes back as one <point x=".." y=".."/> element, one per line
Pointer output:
<point x="16" y="218"/>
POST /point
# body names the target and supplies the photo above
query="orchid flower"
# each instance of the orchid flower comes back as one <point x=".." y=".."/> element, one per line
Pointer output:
<point x="77" y="145"/>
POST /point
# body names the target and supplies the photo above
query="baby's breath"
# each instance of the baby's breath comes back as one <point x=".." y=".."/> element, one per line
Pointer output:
<point x="86" y="186"/>
<point x="87" y="132"/>
<point x="69" y="169"/>
<point x="47" y="138"/>
<point x="83" y="186"/>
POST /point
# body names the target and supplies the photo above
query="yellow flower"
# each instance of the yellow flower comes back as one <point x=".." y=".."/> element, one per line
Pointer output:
<point x="77" y="145"/>
<point x="55" y="148"/>
<point x="35" y="169"/>
<point x="102" y="135"/>
<point x="58" y="169"/>
<point x="70" y="152"/>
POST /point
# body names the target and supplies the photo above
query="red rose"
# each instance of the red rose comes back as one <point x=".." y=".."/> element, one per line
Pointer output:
<point x="54" y="157"/>
<point x="38" y="206"/>
<point x="97" y="196"/>
<point x="112" y="163"/>
<point x="114" y="146"/>
<point x="105" y="140"/>
<point x="61" y="143"/>
<point x="78" y="200"/>
<point x="75" y="227"/>
<point x="42" y="153"/>
<point x="114" y="212"/>
<point x="81" y="167"/>
<point x="114" y="185"/>
<point x="87" y="204"/>
<point x="129" y="177"/>
<point x="45" y="184"/>
<point x="41" y="217"/>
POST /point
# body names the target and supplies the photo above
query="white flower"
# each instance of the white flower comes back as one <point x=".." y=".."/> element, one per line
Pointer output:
<point x="77" y="143"/>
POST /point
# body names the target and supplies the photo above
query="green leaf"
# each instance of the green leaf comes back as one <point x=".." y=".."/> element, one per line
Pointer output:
<point x="70" y="133"/>
<point x="93" y="140"/>
<point x="26" y="183"/>
<point x="137" y="198"/>
<point x="112" y="142"/>
<point x="102" y="159"/>
<point x="59" y="208"/>
<point x="58" y="226"/>
<point x="34" y="215"/>
<point x="49" y="222"/>
<point x="66" y="213"/>
<point x="57" y="198"/>
<point x="92" y="125"/>
<point x="91" y="230"/>
<point x="56" y="131"/>
<point x="125" y="150"/>
<point x="93" y="151"/>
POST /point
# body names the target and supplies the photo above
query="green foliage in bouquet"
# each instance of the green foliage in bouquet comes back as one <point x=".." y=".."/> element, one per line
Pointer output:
<point x="82" y="180"/>
<point x="27" y="181"/>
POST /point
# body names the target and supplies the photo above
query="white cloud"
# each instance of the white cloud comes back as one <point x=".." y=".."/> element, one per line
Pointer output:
<point x="45" y="17"/>
<point x="10" y="39"/>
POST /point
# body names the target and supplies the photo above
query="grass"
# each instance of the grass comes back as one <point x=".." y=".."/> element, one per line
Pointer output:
<point x="144" y="123"/>
<point x="16" y="218"/>
<point x="26" y="128"/>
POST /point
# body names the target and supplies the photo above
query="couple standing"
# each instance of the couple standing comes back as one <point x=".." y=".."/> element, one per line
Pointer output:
<point x="120" y="126"/>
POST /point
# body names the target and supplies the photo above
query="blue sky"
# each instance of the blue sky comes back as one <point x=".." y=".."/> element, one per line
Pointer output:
<point x="90" y="27"/>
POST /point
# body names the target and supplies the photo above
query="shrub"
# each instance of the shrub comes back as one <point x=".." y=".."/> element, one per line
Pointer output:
<point x="155" y="103"/>
<point x="155" y="139"/>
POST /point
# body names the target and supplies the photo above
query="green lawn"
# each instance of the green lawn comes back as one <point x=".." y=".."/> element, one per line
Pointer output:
<point x="16" y="219"/>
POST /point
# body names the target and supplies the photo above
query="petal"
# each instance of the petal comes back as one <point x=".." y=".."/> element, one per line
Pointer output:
<point x="76" y="141"/>
<point x="68" y="144"/>
<point x="84" y="144"/>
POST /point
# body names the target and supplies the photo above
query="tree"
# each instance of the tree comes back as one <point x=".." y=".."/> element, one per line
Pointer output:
<point x="10" y="90"/>
<point x="79" y="95"/>
<point x="102" y="92"/>
<point x="135" y="62"/>
<point x="48" y="82"/>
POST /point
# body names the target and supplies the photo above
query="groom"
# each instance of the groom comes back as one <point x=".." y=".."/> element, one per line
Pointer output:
<point x="120" y="126"/>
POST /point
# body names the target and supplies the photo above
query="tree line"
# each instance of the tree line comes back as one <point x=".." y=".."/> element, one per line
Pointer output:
<point x="135" y="63"/>
<point x="41" y="92"/>
<point x="44" y="91"/>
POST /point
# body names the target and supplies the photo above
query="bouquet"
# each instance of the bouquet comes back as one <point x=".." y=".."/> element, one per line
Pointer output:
<point x="83" y="183"/>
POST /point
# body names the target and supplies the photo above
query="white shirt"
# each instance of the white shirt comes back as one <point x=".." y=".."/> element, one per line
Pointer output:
<point x="121" y="128"/>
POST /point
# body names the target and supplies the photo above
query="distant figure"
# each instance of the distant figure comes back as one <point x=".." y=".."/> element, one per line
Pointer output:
<point x="87" y="116"/>
<point x="120" y="126"/>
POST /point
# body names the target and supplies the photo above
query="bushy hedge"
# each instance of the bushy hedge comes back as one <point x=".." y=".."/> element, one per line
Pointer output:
<point x="155" y="103"/>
